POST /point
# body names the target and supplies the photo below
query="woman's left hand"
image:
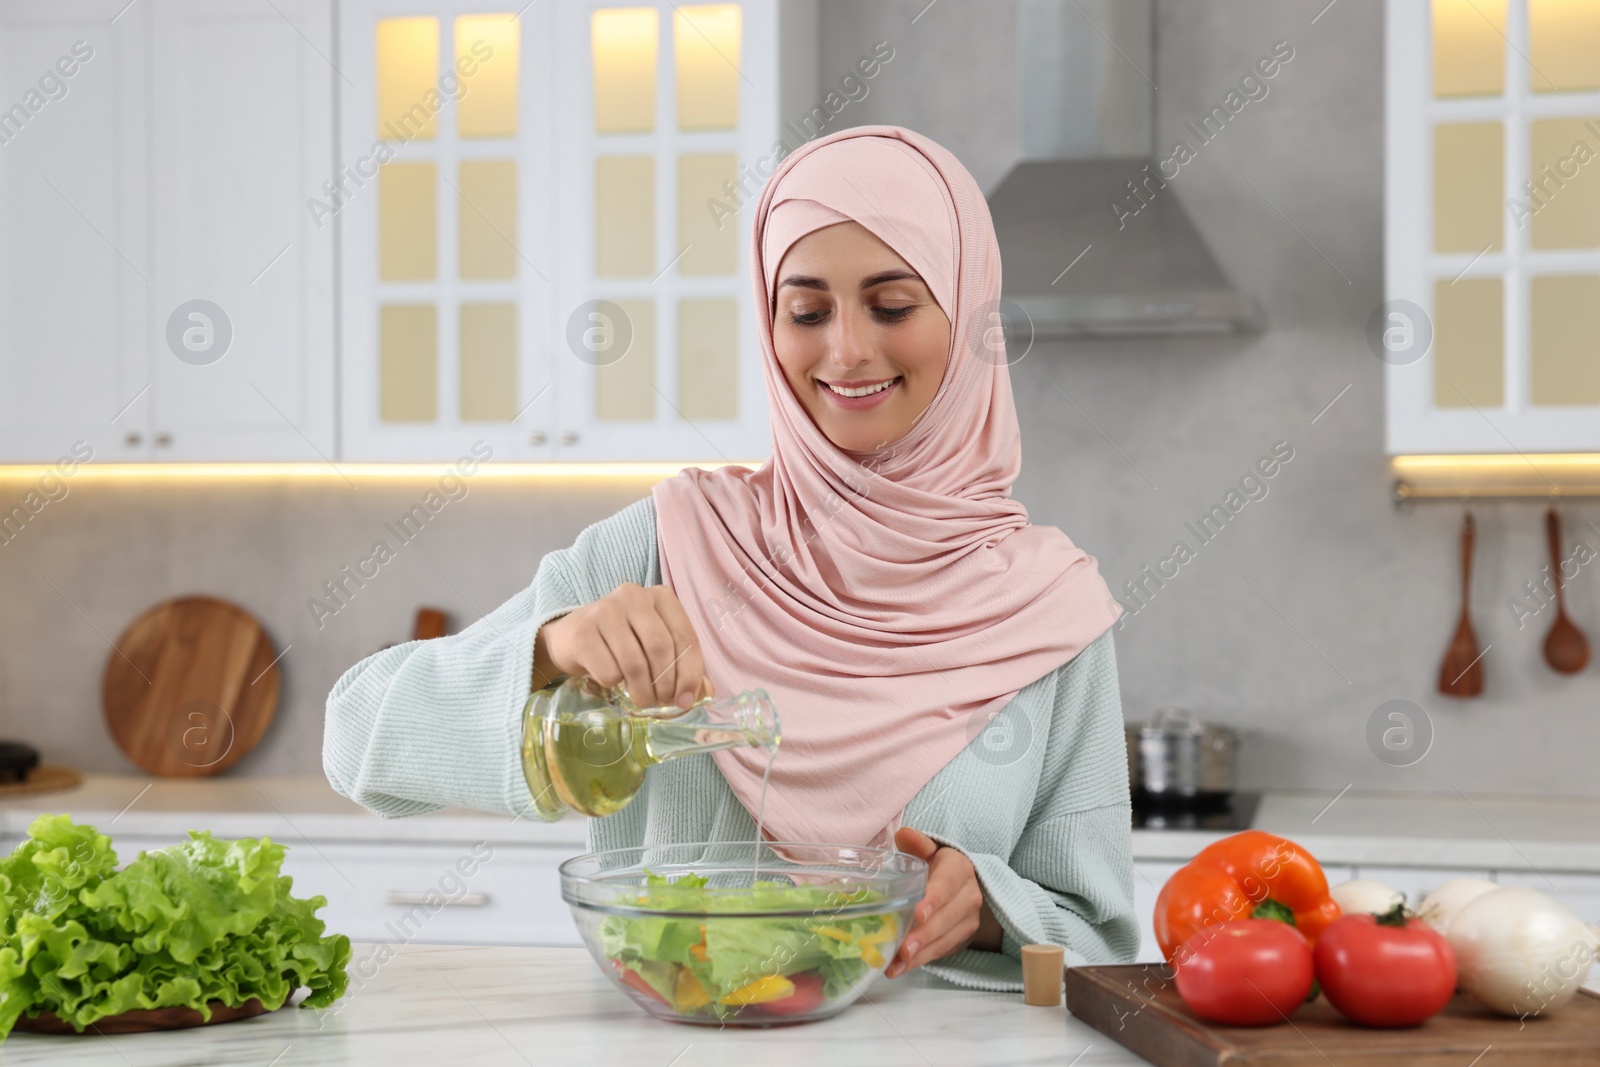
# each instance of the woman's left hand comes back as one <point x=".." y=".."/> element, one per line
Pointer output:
<point x="952" y="914"/>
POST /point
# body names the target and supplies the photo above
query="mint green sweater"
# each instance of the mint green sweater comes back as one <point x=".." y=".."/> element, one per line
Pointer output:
<point x="1038" y="802"/>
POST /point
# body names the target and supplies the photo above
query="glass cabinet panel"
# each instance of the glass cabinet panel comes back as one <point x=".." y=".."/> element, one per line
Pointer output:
<point x="708" y="358"/>
<point x="1468" y="186"/>
<point x="487" y="45"/>
<point x="708" y="231"/>
<point x="1565" y="199"/>
<point x="408" y="363"/>
<point x="1564" y="339"/>
<point x="706" y="49"/>
<point x="623" y="44"/>
<point x="1469" y="47"/>
<point x="624" y="216"/>
<point x="1564" y="45"/>
<point x="408" y="70"/>
<point x="488" y="362"/>
<point x="486" y="219"/>
<point x="625" y="389"/>
<point x="1469" y="343"/>
<point x="408" y="222"/>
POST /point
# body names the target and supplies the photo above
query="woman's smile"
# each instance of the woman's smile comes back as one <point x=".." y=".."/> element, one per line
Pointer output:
<point x="859" y="395"/>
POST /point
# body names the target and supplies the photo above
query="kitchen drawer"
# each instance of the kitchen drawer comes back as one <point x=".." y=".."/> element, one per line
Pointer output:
<point x="441" y="894"/>
<point x="467" y="893"/>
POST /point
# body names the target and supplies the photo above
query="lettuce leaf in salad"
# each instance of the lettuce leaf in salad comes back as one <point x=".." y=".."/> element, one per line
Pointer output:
<point x="199" y="921"/>
<point x="727" y="954"/>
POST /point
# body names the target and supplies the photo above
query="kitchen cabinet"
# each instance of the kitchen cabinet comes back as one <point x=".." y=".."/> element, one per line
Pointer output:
<point x="74" y="248"/>
<point x="166" y="296"/>
<point x="545" y="227"/>
<point x="1491" y="330"/>
<point x="172" y="172"/>
<point x="241" y="278"/>
<point x="542" y="222"/>
<point x="445" y="204"/>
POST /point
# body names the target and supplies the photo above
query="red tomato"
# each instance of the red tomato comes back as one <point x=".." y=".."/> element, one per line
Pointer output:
<point x="1383" y="971"/>
<point x="807" y="996"/>
<point x="634" y="980"/>
<point x="1246" y="973"/>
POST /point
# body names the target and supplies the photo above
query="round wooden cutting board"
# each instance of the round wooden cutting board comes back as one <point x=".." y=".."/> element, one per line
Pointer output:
<point x="190" y="687"/>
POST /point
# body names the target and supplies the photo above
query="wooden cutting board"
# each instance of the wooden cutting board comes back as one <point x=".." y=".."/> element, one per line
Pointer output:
<point x="143" y="1020"/>
<point x="1138" y="1007"/>
<point x="190" y="687"/>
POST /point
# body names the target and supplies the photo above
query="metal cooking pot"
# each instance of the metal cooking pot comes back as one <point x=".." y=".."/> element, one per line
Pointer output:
<point x="1178" y="757"/>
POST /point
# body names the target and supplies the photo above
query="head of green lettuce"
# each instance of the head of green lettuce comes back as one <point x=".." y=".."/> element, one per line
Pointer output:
<point x="202" y="921"/>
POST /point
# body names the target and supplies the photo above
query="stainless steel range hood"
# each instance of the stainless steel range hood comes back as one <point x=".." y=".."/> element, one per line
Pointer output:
<point x="1094" y="239"/>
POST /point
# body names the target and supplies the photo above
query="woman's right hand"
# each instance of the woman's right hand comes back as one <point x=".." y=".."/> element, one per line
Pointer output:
<point x="634" y="634"/>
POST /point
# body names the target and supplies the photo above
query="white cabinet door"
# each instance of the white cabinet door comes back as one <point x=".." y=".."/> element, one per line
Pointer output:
<point x="75" y="267"/>
<point x="445" y="205"/>
<point x="241" y="338"/>
<point x="660" y="358"/>
<point x="539" y="277"/>
<point x="1491" y="250"/>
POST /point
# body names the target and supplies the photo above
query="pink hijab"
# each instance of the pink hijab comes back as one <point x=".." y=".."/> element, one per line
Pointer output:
<point x="891" y="603"/>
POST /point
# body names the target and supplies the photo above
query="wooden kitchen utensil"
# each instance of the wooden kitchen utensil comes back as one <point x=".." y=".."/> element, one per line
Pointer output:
<point x="1138" y="1006"/>
<point x="1565" y="647"/>
<point x="430" y="623"/>
<point x="1461" y="673"/>
<point x="44" y="778"/>
<point x="190" y="687"/>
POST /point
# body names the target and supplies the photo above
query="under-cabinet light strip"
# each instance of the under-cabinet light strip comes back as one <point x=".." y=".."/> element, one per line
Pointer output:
<point x="1532" y="475"/>
<point x="355" y="471"/>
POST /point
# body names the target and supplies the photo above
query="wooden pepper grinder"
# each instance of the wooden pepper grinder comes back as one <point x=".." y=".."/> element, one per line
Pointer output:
<point x="1041" y="975"/>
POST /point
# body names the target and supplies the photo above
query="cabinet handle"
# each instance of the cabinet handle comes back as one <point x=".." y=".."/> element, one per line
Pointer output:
<point x="163" y="439"/>
<point x="538" y="437"/>
<point x="133" y="440"/>
<point x="404" y="897"/>
<point x="569" y="437"/>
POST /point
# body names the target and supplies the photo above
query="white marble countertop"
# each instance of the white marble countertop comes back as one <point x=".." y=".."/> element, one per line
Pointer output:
<point x="520" y="1007"/>
<point x="1421" y="830"/>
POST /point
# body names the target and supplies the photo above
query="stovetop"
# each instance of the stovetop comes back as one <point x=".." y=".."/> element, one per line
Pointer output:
<point x="1235" y="811"/>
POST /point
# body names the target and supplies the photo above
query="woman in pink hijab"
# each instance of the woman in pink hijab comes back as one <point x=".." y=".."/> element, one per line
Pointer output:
<point x="943" y="667"/>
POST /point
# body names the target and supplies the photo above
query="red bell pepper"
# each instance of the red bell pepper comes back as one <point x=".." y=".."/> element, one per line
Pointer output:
<point x="1252" y="874"/>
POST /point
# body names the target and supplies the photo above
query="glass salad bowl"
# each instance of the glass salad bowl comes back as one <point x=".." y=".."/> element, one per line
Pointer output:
<point x="729" y="935"/>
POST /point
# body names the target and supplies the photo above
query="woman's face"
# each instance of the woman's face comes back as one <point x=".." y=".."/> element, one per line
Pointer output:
<point x="852" y="315"/>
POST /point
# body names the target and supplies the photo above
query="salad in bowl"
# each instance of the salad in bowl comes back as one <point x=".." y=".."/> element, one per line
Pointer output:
<point x="716" y="935"/>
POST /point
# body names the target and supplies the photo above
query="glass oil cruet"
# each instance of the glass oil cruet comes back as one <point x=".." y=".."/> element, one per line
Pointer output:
<point x="586" y="747"/>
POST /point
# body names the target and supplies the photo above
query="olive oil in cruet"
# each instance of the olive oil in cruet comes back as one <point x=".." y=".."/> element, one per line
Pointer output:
<point x="586" y="747"/>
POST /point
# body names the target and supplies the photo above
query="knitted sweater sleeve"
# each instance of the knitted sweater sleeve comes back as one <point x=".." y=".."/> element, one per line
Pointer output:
<point x="431" y="724"/>
<point x="1069" y="878"/>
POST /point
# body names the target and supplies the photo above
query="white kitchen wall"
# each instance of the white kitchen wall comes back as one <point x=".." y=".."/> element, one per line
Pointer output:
<point x="1316" y="605"/>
